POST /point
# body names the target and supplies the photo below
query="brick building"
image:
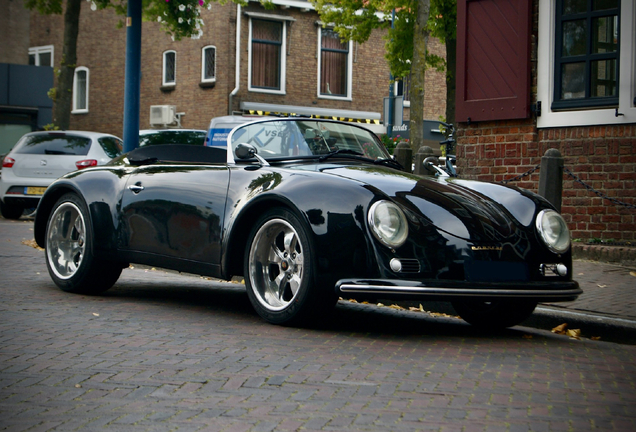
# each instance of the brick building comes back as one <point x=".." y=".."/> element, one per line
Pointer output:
<point x="539" y="74"/>
<point x="198" y="77"/>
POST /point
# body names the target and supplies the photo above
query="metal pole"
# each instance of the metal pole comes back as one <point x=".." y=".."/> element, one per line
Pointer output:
<point x="133" y="76"/>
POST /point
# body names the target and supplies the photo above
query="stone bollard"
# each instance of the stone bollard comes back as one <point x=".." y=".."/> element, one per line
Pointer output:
<point x="421" y="155"/>
<point x="404" y="155"/>
<point x="551" y="177"/>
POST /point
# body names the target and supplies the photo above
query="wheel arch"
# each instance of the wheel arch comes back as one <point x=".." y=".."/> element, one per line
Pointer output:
<point x="240" y="229"/>
<point x="45" y="207"/>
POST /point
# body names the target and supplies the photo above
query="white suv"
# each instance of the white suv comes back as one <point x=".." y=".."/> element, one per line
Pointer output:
<point x="38" y="158"/>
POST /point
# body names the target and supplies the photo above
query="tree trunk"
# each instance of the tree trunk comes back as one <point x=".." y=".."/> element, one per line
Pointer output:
<point x="451" y="66"/>
<point x="418" y="67"/>
<point x="64" y="92"/>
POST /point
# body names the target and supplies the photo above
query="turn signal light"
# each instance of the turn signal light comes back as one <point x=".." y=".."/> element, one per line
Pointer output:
<point x="8" y="162"/>
<point x="85" y="163"/>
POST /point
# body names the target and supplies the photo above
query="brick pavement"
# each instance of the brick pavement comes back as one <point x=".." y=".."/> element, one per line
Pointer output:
<point x="163" y="352"/>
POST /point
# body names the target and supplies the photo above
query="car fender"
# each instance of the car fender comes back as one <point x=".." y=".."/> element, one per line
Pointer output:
<point x="101" y="193"/>
<point x="335" y="213"/>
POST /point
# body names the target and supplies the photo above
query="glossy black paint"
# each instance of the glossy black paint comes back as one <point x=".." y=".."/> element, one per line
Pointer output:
<point x="196" y="218"/>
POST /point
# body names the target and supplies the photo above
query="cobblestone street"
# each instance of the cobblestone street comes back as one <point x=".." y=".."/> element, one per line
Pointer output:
<point x="162" y="351"/>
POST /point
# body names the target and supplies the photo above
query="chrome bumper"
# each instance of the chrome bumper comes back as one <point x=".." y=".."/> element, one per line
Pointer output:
<point x="556" y="291"/>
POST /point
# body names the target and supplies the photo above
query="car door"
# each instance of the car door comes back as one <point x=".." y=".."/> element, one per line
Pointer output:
<point x="175" y="211"/>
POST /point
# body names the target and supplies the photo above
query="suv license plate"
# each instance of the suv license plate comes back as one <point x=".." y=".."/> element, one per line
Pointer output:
<point x="32" y="190"/>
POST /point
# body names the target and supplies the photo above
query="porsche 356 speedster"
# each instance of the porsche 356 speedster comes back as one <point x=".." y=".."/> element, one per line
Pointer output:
<point x="307" y="211"/>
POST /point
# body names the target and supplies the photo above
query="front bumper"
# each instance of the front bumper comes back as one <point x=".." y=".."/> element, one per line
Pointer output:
<point x="553" y="291"/>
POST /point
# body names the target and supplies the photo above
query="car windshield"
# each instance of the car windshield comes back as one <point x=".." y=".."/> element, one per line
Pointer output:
<point x="54" y="144"/>
<point x="172" y="137"/>
<point x="112" y="146"/>
<point x="290" y="138"/>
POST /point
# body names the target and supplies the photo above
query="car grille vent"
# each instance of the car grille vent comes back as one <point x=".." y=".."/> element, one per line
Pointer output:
<point x="410" y="266"/>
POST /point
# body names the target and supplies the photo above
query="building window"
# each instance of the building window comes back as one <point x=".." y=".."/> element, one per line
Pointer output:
<point x="586" y="62"/>
<point x="41" y="56"/>
<point x="586" y="53"/>
<point x="80" y="90"/>
<point x="169" y="68"/>
<point x="208" y="64"/>
<point x="403" y="88"/>
<point x="267" y="62"/>
<point x="334" y="66"/>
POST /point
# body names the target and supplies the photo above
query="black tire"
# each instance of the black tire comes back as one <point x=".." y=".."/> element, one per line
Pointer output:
<point x="11" y="211"/>
<point x="69" y="250"/>
<point x="495" y="314"/>
<point x="279" y="269"/>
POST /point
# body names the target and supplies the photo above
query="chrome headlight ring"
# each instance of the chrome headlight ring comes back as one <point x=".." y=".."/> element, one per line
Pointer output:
<point x="388" y="224"/>
<point x="553" y="231"/>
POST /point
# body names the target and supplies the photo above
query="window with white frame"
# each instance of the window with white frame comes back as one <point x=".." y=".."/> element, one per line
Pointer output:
<point x="586" y="62"/>
<point x="267" y="56"/>
<point x="169" y="77"/>
<point x="41" y="55"/>
<point x="334" y="65"/>
<point x="80" y="90"/>
<point x="403" y="88"/>
<point x="208" y="64"/>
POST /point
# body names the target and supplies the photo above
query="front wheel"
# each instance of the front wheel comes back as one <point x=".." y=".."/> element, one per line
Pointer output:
<point x="279" y="269"/>
<point x="69" y="250"/>
<point x="494" y="314"/>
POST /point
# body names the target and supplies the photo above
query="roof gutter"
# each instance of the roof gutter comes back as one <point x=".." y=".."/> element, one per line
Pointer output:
<point x="237" y="71"/>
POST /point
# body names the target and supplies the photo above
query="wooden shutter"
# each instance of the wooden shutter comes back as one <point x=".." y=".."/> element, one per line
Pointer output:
<point x="493" y="59"/>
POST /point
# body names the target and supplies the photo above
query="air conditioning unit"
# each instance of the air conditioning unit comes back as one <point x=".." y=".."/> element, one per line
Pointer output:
<point x="162" y="115"/>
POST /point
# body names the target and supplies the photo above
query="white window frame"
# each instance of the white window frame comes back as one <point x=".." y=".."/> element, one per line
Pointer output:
<point x="545" y="74"/>
<point x="407" y="103"/>
<point x="76" y="110"/>
<point x="36" y="51"/>
<point x="203" y="51"/>
<point x="283" y="56"/>
<point x="163" y="69"/>
<point x="348" y="96"/>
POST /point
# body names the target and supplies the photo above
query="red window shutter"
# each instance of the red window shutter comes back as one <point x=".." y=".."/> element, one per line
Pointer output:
<point x="493" y="59"/>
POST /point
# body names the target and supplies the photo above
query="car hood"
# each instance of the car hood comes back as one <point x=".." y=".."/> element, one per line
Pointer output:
<point x="471" y="210"/>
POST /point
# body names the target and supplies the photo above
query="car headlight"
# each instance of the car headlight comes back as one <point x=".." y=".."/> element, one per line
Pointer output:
<point x="553" y="231"/>
<point x="388" y="224"/>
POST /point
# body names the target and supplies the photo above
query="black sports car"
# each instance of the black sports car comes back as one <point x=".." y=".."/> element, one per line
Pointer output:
<point x="306" y="211"/>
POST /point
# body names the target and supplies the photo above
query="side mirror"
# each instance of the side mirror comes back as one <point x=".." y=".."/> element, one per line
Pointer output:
<point x="245" y="151"/>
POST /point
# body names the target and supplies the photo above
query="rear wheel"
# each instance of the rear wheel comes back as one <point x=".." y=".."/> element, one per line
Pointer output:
<point x="11" y="211"/>
<point x="280" y="271"/>
<point x="494" y="314"/>
<point x="69" y="250"/>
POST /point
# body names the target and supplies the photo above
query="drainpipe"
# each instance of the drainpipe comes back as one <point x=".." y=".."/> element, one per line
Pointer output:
<point x="237" y="71"/>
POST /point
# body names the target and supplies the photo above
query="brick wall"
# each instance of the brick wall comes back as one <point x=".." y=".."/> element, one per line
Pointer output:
<point x="101" y="48"/>
<point x="14" y="27"/>
<point x="434" y="86"/>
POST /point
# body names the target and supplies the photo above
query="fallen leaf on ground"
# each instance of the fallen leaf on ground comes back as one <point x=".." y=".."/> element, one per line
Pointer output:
<point x="394" y="306"/>
<point x="96" y="314"/>
<point x="560" y="329"/>
<point x="574" y="333"/>
<point x="601" y="286"/>
<point x="595" y="338"/>
<point x="633" y="273"/>
<point x="353" y="300"/>
<point x="32" y="243"/>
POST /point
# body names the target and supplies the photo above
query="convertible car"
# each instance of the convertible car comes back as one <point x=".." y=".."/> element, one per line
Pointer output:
<point x="307" y="211"/>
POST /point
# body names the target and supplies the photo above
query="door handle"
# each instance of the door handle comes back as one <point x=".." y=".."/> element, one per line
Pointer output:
<point x="136" y="188"/>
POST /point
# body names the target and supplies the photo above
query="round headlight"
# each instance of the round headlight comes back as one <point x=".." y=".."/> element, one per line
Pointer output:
<point x="553" y="231"/>
<point x="388" y="224"/>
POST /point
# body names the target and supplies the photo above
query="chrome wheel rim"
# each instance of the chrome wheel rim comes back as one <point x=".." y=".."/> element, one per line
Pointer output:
<point x="66" y="240"/>
<point x="276" y="264"/>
